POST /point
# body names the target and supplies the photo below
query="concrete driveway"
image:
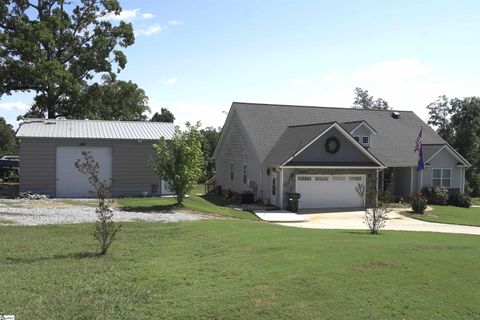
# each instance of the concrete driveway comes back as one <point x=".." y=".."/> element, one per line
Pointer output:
<point x="396" y="221"/>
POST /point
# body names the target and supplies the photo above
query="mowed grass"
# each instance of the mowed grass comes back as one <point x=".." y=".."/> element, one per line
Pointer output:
<point x="232" y="269"/>
<point x="452" y="215"/>
<point x="204" y="204"/>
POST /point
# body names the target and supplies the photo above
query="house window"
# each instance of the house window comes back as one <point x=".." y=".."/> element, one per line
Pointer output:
<point x="357" y="138"/>
<point x="244" y="175"/>
<point x="231" y="171"/>
<point x="442" y="178"/>
<point x="365" y="139"/>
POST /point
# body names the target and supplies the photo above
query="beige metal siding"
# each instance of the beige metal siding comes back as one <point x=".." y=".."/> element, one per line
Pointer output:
<point x="132" y="173"/>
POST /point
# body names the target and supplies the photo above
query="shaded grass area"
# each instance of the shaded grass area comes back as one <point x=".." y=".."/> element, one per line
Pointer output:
<point x="237" y="270"/>
<point x="452" y="215"/>
<point x="207" y="204"/>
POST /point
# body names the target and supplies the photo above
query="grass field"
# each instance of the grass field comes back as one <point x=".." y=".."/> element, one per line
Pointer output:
<point x="232" y="269"/>
<point x="208" y="204"/>
<point x="452" y="215"/>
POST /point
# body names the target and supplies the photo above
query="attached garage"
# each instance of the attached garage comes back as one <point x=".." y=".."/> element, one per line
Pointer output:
<point x="329" y="191"/>
<point x="50" y="148"/>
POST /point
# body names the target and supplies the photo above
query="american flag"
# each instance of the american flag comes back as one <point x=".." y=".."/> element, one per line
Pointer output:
<point x="418" y="142"/>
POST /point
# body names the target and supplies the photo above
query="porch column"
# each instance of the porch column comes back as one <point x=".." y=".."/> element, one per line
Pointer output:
<point x="281" y="188"/>
<point x="411" y="180"/>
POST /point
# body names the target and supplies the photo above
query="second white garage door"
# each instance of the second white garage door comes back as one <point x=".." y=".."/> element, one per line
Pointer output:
<point x="329" y="191"/>
<point x="70" y="182"/>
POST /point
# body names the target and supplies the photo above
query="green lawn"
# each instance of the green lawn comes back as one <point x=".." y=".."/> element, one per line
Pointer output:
<point x="452" y="215"/>
<point x="207" y="204"/>
<point x="232" y="269"/>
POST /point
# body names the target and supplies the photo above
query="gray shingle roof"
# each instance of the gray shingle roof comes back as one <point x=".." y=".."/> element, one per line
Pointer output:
<point x="392" y="145"/>
<point x="293" y="140"/>
<point x="95" y="129"/>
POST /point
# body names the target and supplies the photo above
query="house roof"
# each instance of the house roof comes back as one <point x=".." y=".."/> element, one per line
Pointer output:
<point x="296" y="138"/>
<point x="351" y="125"/>
<point x="95" y="129"/>
<point x="392" y="145"/>
<point x="293" y="139"/>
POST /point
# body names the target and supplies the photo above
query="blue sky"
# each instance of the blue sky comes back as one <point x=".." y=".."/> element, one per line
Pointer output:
<point x="196" y="57"/>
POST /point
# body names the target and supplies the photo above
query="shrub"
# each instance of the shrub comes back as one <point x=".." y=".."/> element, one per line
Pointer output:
<point x="460" y="200"/>
<point x="436" y="195"/>
<point x="105" y="229"/>
<point x="419" y="203"/>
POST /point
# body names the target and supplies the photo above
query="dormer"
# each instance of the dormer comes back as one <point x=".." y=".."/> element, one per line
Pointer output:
<point x="361" y="131"/>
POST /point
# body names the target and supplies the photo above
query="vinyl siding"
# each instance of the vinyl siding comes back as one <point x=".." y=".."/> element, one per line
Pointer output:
<point x="237" y="148"/>
<point x="347" y="153"/>
<point x="443" y="160"/>
<point x="132" y="173"/>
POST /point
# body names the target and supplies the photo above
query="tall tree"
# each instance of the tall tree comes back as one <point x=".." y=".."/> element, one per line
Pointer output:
<point x="112" y="100"/>
<point x="440" y="112"/>
<point x="210" y="137"/>
<point x="365" y="101"/>
<point x="8" y="144"/>
<point x="56" y="48"/>
<point x="164" y="116"/>
<point x="458" y="122"/>
<point x="179" y="162"/>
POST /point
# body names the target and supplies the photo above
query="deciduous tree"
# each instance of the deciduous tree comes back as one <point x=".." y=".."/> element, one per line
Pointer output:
<point x="365" y="101"/>
<point x="179" y="162"/>
<point x="8" y="144"/>
<point x="56" y="48"/>
<point x="164" y="116"/>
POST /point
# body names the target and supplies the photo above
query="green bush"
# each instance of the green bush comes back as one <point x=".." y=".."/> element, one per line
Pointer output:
<point x="436" y="195"/>
<point x="419" y="204"/>
<point x="460" y="200"/>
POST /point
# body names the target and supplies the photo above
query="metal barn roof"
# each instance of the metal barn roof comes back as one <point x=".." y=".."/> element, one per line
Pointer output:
<point x="95" y="129"/>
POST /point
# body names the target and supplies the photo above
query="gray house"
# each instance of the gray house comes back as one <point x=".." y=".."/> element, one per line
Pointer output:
<point x="49" y="148"/>
<point x="324" y="153"/>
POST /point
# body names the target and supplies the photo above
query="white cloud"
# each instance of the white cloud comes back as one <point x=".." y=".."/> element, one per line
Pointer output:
<point x="148" y="15"/>
<point x="128" y="15"/>
<point x="14" y="106"/>
<point x="391" y="71"/>
<point x="175" y="23"/>
<point x="171" y="81"/>
<point x="150" y="30"/>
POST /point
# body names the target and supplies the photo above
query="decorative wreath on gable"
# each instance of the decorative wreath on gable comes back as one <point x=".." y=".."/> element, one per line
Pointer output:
<point x="332" y="145"/>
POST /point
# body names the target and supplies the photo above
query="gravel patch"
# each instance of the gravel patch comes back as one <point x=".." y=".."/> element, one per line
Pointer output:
<point x="79" y="214"/>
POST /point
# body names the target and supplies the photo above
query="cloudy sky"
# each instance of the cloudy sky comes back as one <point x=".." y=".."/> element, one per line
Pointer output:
<point x="196" y="57"/>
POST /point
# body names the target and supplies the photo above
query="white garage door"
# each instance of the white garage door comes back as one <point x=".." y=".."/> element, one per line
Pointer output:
<point x="329" y="191"/>
<point x="72" y="183"/>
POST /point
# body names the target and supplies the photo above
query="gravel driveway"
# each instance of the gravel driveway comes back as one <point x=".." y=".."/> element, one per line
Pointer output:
<point x="80" y="214"/>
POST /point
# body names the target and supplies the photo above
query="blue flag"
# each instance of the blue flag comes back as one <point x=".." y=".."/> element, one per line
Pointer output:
<point x="420" y="165"/>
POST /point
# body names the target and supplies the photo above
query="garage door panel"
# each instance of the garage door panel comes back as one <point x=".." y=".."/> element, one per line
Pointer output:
<point x="334" y="191"/>
<point x="70" y="182"/>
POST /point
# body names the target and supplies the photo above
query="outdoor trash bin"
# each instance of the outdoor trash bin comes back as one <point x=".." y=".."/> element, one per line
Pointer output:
<point x="292" y="204"/>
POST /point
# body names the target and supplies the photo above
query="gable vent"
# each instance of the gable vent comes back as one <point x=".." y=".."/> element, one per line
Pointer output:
<point x="395" y="114"/>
